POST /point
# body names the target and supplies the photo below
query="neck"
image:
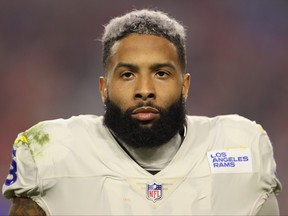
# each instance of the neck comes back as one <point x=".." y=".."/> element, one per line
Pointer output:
<point x="156" y="158"/>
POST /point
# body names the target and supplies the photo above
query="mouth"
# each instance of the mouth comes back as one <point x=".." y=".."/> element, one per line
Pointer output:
<point x="145" y="114"/>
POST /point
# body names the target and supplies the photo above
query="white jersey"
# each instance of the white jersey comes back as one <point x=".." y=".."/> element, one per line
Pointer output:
<point x="224" y="166"/>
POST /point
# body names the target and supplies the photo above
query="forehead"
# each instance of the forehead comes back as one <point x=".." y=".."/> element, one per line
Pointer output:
<point x="140" y="47"/>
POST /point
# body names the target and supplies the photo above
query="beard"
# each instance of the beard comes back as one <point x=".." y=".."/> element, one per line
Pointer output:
<point x="130" y="131"/>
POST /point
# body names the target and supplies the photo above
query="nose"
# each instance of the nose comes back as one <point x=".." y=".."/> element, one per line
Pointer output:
<point x="145" y="89"/>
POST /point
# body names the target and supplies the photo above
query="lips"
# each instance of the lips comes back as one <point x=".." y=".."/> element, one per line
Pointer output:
<point x="145" y="113"/>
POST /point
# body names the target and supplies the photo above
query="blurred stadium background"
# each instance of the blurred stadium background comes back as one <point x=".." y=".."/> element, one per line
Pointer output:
<point x="50" y="61"/>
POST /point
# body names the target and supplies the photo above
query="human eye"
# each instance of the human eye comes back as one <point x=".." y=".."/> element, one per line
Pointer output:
<point x="127" y="75"/>
<point x="162" y="74"/>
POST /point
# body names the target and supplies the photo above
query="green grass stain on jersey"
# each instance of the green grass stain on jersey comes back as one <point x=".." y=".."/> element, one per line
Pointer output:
<point x="37" y="135"/>
<point x="35" y="138"/>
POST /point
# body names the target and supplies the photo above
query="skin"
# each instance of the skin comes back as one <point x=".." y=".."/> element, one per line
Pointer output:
<point x="24" y="206"/>
<point x="144" y="68"/>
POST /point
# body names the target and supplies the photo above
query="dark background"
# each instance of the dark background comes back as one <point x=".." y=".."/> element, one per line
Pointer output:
<point x="50" y="61"/>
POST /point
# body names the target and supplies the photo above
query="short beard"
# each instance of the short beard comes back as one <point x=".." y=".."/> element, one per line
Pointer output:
<point x="129" y="130"/>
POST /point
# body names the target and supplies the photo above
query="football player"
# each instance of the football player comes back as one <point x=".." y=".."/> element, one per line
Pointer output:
<point x="145" y="155"/>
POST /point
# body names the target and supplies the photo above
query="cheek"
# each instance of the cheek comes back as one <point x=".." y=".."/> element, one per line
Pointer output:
<point x="167" y="96"/>
<point x="120" y="96"/>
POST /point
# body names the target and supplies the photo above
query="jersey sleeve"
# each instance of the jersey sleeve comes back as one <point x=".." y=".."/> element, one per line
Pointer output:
<point x="267" y="167"/>
<point x="268" y="182"/>
<point x="23" y="176"/>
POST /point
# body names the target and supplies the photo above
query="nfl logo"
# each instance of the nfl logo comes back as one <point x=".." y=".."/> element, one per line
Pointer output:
<point x="154" y="191"/>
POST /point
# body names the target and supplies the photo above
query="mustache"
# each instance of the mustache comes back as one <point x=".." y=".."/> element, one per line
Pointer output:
<point x="144" y="104"/>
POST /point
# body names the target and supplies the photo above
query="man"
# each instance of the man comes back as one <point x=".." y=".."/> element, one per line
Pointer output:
<point x="145" y="155"/>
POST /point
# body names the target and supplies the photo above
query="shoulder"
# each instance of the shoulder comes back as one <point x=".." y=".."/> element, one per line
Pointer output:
<point x="68" y="124"/>
<point x="227" y="123"/>
<point x="55" y="134"/>
<point x="51" y="144"/>
<point x="228" y="131"/>
<point x="232" y="119"/>
<point x="42" y="131"/>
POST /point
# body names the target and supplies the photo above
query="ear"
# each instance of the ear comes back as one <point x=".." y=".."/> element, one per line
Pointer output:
<point x="186" y="85"/>
<point x="103" y="88"/>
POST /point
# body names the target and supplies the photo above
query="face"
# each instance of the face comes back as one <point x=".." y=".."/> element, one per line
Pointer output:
<point x="144" y="91"/>
<point x="141" y="69"/>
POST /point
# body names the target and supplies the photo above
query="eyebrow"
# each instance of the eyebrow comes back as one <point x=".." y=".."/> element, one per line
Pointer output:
<point x="161" y="65"/>
<point x="126" y="65"/>
<point x="152" y="67"/>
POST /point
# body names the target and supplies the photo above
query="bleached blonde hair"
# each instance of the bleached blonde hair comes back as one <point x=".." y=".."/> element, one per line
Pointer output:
<point x="144" y="22"/>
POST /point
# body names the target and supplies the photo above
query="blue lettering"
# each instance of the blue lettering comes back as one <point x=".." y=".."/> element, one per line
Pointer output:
<point x="231" y="159"/>
<point x="12" y="171"/>
<point x="245" y="158"/>
<point x="225" y="164"/>
<point x="220" y="159"/>
<point x="218" y="154"/>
